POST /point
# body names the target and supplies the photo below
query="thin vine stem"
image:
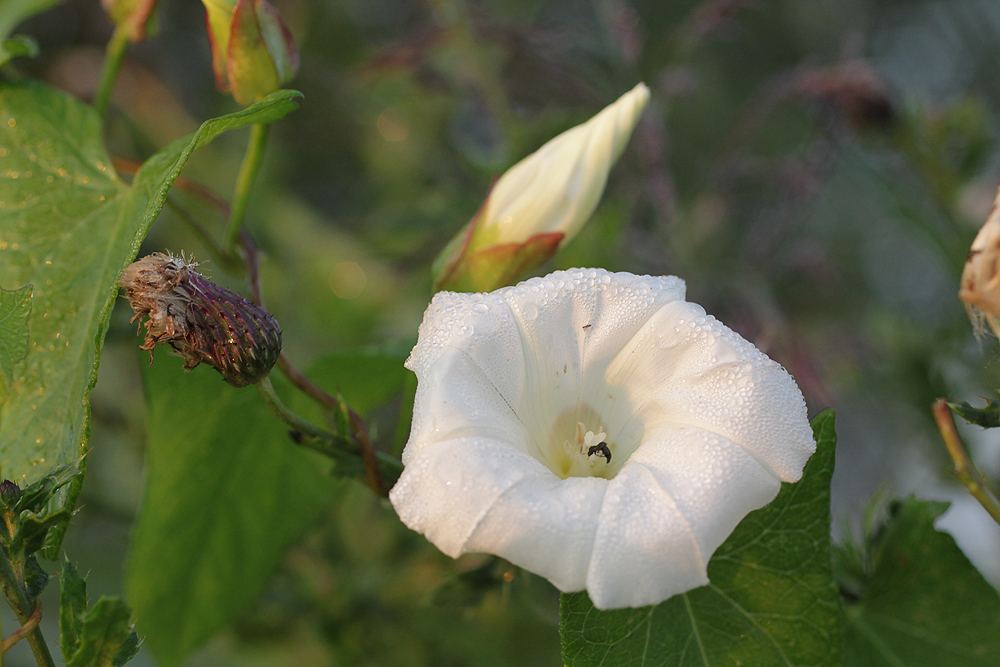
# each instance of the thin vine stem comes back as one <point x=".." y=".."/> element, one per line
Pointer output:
<point x="963" y="466"/>
<point x="244" y="182"/>
<point x="114" y="56"/>
<point x="11" y="580"/>
<point x="320" y="440"/>
<point x="22" y="632"/>
<point x="374" y="461"/>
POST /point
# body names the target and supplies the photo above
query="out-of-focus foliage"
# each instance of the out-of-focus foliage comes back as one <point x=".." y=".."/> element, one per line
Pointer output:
<point x="814" y="171"/>
<point x="909" y="595"/>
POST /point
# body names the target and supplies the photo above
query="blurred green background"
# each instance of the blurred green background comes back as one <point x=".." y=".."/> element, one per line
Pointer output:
<point x="814" y="170"/>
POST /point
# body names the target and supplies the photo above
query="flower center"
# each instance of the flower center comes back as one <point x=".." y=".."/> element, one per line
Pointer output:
<point x="579" y="446"/>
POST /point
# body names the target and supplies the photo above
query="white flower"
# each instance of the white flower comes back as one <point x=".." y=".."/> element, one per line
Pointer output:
<point x="596" y="429"/>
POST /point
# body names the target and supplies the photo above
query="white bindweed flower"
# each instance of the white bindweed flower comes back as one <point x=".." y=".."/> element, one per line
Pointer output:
<point x="541" y="202"/>
<point x="595" y="429"/>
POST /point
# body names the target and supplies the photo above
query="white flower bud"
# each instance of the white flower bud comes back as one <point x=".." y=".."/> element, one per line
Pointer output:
<point x="556" y="188"/>
<point x="541" y="202"/>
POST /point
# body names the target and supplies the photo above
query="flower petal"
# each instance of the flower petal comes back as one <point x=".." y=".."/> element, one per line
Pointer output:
<point x="476" y="494"/>
<point x="447" y="487"/>
<point x="457" y="398"/>
<point x="545" y="525"/>
<point x="644" y="549"/>
<point x="686" y="367"/>
<point x="714" y="481"/>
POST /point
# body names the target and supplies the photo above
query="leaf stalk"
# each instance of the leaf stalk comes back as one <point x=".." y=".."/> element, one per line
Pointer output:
<point x="114" y="56"/>
<point x="963" y="466"/>
<point x="244" y="182"/>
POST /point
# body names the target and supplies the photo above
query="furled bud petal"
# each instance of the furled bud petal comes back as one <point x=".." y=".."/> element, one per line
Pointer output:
<point x="980" y="288"/>
<point x="253" y="53"/>
<point x="199" y="319"/>
<point x="539" y="203"/>
<point x="134" y="13"/>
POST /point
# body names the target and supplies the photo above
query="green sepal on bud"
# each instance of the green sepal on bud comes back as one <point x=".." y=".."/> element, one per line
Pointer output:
<point x="253" y="53"/>
<point x="135" y="15"/>
<point x="540" y="203"/>
<point x="489" y="268"/>
<point x="200" y="320"/>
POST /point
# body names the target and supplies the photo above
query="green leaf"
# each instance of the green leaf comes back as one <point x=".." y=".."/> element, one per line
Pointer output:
<point x="72" y="608"/>
<point x="69" y="225"/>
<point x="987" y="416"/>
<point x="12" y="13"/>
<point x="226" y="493"/>
<point x="15" y="306"/>
<point x="771" y="600"/>
<point x="20" y="46"/>
<point x="35" y="578"/>
<point x="38" y="511"/>
<point x="127" y="650"/>
<point x="95" y="637"/>
<point x="922" y="603"/>
<point x="36" y="496"/>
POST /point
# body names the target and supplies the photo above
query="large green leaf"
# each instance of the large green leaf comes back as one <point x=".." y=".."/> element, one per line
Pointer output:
<point x="15" y="306"/>
<point x="69" y="225"/>
<point x="918" y="601"/>
<point x="226" y="492"/>
<point x="771" y="600"/>
<point x="13" y="12"/>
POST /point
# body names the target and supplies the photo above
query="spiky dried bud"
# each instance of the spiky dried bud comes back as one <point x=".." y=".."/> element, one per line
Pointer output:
<point x="200" y="320"/>
<point x="9" y="492"/>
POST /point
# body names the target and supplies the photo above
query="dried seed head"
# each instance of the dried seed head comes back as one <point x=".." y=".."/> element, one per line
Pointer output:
<point x="980" y="288"/>
<point x="200" y="320"/>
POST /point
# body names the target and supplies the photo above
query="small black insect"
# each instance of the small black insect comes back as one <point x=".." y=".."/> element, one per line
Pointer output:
<point x="601" y="449"/>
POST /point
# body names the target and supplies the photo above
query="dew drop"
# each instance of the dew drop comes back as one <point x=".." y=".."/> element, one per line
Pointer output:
<point x="530" y="311"/>
<point x="480" y="308"/>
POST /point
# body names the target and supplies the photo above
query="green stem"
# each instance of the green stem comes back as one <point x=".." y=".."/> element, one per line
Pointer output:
<point x="40" y="649"/>
<point x="244" y="183"/>
<point x="324" y="441"/>
<point x="26" y="612"/>
<point x="114" y="55"/>
<point x="312" y="437"/>
<point x="965" y="470"/>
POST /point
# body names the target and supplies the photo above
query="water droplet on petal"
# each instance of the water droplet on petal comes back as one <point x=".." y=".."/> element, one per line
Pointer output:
<point x="530" y="311"/>
<point x="480" y="308"/>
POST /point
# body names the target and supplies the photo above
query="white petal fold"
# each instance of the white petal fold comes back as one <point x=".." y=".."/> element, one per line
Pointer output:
<point x="701" y="426"/>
